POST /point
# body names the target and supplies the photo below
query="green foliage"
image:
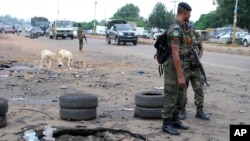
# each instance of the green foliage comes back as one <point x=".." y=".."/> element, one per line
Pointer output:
<point x="224" y="15"/>
<point x="129" y="12"/>
<point x="160" y="17"/>
<point x="207" y="21"/>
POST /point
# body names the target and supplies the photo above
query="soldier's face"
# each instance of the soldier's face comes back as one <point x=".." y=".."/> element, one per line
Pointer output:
<point x="187" y="16"/>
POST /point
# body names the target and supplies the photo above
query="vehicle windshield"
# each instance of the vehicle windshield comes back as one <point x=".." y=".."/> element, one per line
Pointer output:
<point x="64" y="24"/>
<point x="8" y="27"/>
<point x="123" y="27"/>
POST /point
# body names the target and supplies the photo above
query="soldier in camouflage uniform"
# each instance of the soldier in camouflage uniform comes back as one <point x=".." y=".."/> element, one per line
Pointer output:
<point x="80" y="37"/>
<point x="192" y="72"/>
<point x="174" y="81"/>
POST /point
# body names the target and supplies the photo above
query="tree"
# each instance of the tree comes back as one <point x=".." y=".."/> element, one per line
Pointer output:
<point x="207" y="21"/>
<point x="129" y="12"/>
<point x="160" y="17"/>
<point x="225" y="12"/>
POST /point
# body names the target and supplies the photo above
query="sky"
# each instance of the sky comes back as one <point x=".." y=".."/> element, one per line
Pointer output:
<point x="87" y="10"/>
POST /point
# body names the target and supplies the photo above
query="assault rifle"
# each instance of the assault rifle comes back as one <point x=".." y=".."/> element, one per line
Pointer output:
<point x="199" y="65"/>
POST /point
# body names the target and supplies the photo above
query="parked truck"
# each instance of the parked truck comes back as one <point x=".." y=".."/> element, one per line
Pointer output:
<point x="41" y="22"/>
<point x="62" y="28"/>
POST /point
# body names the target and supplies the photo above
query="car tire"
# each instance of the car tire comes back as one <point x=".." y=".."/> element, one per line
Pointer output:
<point x="56" y="37"/>
<point x="3" y="121"/>
<point x="3" y="106"/>
<point x="108" y="40"/>
<point x="149" y="99"/>
<point x="135" y="43"/>
<point x="148" y="113"/>
<point x="78" y="101"/>
<point x="77" y="114"/>
<point x="72" y="37"/>
<point x="245" y="43"/>
<point x="117" y="40"/>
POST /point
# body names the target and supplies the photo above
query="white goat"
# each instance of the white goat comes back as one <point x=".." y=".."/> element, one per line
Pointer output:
<point x="47" y="56"/>
<point x="65" y="55"/>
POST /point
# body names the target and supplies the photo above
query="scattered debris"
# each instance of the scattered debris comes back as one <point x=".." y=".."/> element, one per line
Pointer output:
<point x="15" y="99"/>
<point x="64" y="87"/>
<point x="3" y="76"/>
<point x="30" y="135"/>
<point x="128" y="109"/>
<point x="242" y="111"/>
<point x="36" y="111"/>
<point x="159" y="88"/>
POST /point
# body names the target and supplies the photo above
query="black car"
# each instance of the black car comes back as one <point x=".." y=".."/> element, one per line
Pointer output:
<point x="121" y="33"/>
<point x="34" y="32"/>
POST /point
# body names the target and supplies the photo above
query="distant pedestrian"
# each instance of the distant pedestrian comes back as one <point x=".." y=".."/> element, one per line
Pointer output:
<point x="80" y="37"/>
<point x="17" y="30"/>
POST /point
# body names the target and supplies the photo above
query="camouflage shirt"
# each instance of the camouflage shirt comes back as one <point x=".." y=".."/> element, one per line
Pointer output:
<point x="195" y="44"/>
<point x="79" y="33"/>
<point x="176" y="36"/>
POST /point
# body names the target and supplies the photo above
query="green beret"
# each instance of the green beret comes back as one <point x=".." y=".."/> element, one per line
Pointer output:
<point x="185" y="6"/>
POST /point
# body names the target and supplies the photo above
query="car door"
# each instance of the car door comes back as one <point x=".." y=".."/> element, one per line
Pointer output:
<point x="112" y="32"/>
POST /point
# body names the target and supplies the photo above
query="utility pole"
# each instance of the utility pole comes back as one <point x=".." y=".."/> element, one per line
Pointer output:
<point x="174" y="1"/>
<point x="95" y="16"/>
<point x="58" y="9"/>
<point x="234" y="22"/>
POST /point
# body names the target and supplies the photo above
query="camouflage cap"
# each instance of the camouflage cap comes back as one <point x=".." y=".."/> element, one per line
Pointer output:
<point x="185" y="6"/>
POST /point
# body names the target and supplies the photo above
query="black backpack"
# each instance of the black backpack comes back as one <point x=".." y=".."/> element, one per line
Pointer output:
<point x="163" y="51"/>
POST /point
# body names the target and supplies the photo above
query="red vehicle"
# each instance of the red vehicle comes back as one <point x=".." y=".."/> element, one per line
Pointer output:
<point x="8" y="29"/>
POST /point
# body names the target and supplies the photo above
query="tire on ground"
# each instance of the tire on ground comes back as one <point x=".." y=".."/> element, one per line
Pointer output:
<point x="148" y="113"/>
<point x="3" y="106"/>
<point x="78" y="101"/>
<point x="3" y="121"/>
<point x="149" y="99"/>
<point x="77" y="114"/>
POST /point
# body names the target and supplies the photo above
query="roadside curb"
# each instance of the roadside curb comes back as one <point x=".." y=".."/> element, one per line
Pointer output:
<point x="207" y="46"/>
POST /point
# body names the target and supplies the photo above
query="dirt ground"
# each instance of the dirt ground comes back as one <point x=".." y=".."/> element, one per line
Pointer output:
<point x="33" y="94"/>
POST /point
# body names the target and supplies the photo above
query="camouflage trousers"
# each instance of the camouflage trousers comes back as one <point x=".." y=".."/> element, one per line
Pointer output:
<point x="80" y="44"/>
<point x="173" y="95"/>
<point x="194" y="75"/>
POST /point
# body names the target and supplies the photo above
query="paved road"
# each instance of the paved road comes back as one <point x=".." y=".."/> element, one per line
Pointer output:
<point x="147" y="51"/>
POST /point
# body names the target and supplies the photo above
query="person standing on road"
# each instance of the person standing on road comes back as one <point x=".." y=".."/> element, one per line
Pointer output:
<point x="53" y="30"/>
<point x="174" y="81"/>
<point x="80" y="37"/>
<point x="192" y="72"/>
<point x="17" y="30"/>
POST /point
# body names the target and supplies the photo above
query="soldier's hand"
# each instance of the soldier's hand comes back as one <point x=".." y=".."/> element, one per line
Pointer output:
<point x="181" y="82"/>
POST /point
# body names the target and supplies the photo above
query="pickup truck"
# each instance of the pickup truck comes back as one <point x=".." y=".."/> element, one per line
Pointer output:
<point x="119" y="31"/>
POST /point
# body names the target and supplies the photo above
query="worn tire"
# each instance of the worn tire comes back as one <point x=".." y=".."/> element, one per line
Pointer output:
<point x="78" y="101"/>
<point x="3" y="121"/>
<point x="3" y="106"/>
<point x="149" y="99"/>
<point x="148" y="113"/>
<point x="77" y="114"/>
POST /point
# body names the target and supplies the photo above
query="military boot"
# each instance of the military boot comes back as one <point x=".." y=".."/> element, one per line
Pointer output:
<point x="167" y="127"/>
<point x="183" y="113"/>
<point x="177" y="123"/>
<point x="200" y="114"/>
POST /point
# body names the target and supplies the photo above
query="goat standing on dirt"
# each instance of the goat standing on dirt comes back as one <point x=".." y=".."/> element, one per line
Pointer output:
<point x="65" y="55"/>
<point x="47" y="56"/>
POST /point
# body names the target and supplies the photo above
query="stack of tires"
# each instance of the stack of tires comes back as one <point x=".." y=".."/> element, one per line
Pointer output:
<point x="148" y="104"/>
<point x="78" y="106"/>
<point x="3" y="110"/>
